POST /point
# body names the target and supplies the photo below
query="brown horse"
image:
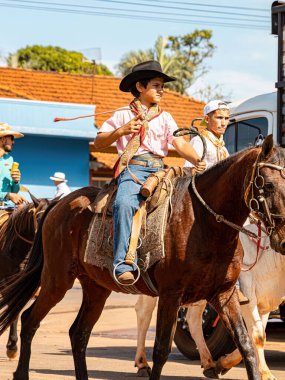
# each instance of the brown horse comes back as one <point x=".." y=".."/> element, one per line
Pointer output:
<point x="202" y="257"/>
<point x="16" y="237"/>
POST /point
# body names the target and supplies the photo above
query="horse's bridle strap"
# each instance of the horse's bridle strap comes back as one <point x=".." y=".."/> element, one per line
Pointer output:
<point x="220" y="218"/>
<point x="261" y="199"/>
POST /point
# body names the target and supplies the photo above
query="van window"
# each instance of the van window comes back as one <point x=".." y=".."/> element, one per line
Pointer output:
<point x="245" y="133"/>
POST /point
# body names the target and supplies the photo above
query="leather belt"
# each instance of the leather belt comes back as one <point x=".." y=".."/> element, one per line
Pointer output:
<point x="156" y="163"/>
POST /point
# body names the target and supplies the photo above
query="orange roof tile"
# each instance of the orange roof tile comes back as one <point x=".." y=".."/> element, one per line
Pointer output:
<point x="103" y="91"/>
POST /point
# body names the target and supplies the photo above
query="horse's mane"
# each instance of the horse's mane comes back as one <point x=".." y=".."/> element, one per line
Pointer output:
<point x="220" y="166"/>
<point x="21" y="219"/>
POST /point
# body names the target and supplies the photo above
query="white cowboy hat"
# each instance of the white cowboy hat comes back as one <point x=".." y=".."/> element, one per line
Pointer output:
<point x="5" y="130"/>
<point x="58" y="176"/>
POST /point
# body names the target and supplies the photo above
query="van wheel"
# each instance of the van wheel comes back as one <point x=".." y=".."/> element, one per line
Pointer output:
<point x="216" y="336"/>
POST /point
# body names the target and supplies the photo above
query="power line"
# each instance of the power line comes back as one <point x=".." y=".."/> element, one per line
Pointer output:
<point x="183" y="9"/>
<point x="129" y="16"/>
<point x="205" y="5"/>
<point x="130" y="10"/>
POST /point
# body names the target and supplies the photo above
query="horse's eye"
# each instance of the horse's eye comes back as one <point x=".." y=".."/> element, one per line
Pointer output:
<point x="269" y="187"/>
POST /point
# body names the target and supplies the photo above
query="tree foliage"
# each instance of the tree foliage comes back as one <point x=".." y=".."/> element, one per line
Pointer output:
<point x="54" y="58"/>
<point x="207" y="93"/>
<point x="179" y="56"/>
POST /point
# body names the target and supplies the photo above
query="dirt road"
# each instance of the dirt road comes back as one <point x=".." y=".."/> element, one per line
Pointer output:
<point x="112" y="346"/>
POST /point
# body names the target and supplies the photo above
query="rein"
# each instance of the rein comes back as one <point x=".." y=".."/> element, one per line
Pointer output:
<point x="253" y="204"/>
<point x="35" y="214"/>
<point x="220" y="218"/>
<point x="22" y="237"/>
<point x="257" y="249"/>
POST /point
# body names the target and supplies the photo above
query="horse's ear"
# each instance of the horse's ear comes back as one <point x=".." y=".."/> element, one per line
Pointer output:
<point x="267" y="146"/>
<point x="35" y="200"/>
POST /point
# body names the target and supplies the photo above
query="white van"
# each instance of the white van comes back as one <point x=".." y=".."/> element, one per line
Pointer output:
<point x="251" y="120"/>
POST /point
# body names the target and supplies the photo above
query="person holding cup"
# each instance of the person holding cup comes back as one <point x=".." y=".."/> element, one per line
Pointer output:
<point x="10" y="174"/>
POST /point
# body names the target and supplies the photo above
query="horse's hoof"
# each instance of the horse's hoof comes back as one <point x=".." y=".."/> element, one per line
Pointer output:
<point x="12" y="354"/>
<point x="144" y="372"/>
<point x="211" y="373"/>
<point x="219" y="369"/>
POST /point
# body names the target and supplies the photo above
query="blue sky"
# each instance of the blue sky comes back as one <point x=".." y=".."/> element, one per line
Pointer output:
<point x="244" y="63"/>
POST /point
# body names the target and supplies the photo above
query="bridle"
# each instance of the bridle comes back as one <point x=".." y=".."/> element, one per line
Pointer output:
<point x="266" y="215"/>
<point x="258" y="205"/>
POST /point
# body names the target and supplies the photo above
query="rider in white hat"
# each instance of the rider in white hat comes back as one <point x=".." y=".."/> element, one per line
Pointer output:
<point x="9" y="177"/>
<point x="60" y="182"/>
<point x="215" y="122"/>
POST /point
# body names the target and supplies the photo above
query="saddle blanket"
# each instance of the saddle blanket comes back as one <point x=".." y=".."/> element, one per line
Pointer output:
<point x="99" y="249"/>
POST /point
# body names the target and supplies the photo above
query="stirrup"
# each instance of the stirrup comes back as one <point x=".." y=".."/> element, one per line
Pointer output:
<point x="115" y="276"/>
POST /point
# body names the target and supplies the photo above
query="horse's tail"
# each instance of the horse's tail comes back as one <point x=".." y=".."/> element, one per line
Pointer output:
<point x="17" y="290"/>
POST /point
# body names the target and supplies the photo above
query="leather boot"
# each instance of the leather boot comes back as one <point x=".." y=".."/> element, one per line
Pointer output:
<point x="126" y="278"/>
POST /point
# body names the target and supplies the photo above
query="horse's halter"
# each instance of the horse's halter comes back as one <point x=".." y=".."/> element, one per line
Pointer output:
<point x="258" y="203"/>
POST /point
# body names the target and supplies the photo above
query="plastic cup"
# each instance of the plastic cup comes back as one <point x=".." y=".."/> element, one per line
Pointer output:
<point x="15" y="166"/>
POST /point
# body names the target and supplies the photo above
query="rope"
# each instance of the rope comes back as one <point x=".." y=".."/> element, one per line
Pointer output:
<point x="56" y="119"/>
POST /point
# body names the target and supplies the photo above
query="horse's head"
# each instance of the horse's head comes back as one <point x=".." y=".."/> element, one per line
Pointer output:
<point x="38" y="207"/>
<point x="266" y="195"/>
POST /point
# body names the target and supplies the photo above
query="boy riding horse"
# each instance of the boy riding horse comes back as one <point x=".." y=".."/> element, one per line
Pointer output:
<point x="142" y="135"/>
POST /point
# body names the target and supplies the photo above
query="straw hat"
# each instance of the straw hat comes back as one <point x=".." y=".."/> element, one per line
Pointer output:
<point x="58" y="176"/>
<point x="5" y="130"/>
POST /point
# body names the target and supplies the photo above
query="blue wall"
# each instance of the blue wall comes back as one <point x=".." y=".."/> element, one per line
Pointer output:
<point x="47" y="146"/>
<point x="41" y="156"/>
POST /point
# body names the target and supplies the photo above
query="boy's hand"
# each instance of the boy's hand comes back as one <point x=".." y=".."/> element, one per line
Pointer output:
<point x="16" y="175"/>
<point x="200" y="166"/>
<point x="133" y="126"/>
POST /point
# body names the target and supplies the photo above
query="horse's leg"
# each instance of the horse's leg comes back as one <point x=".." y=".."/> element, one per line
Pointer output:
<point x="229" y="311"/>
<point x="52" y="291"/>
<point x="11" y="347"/>
<point x="165" y="328"/>
<point x="194" y="319"/>
<point x="93" y="301"/>
<point x="144" y="309"/>
<point x="256" y="325"/>
<point x="260" y="346"/>
<point x="256" y="328"/>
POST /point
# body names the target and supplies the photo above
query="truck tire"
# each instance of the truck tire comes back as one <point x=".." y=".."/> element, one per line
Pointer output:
<point x="216" y="336"/>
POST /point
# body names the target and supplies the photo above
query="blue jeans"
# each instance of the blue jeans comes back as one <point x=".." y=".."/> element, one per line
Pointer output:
<point x="126" y="204"/>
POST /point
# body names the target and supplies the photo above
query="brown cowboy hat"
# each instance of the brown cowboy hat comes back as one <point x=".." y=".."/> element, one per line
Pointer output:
<point x="144" y="70"/>
<point x="5" y="130"/>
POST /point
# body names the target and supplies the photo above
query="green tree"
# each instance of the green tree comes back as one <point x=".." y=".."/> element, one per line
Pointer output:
<point x="179" y="56"/>
<point x="207" y="93"/>
<point x="54" y="58"/>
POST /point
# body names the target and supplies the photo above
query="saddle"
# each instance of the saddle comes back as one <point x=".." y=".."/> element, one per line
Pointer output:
<point x="149" y="222"/>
